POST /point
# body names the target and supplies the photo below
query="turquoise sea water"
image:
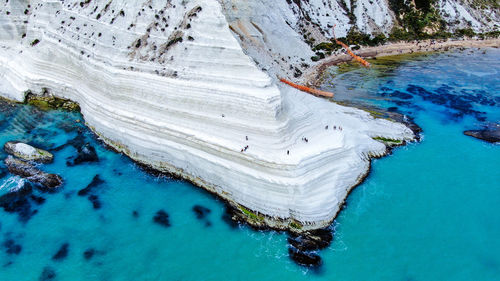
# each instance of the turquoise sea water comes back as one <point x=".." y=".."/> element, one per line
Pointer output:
<point x="430" y="211"/>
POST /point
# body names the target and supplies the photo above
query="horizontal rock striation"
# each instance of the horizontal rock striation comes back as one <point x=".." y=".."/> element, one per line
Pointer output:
<point x="166" y="83"/>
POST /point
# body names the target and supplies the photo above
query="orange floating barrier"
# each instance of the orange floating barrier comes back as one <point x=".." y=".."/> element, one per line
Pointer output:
<point x="307" y="89"/>
<point x="356" y="57"/>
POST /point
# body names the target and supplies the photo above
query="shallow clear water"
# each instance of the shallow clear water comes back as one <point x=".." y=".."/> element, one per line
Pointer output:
<point x="430" y="211"/>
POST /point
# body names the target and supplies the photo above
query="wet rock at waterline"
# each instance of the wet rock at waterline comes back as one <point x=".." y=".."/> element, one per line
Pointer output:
<point x="302" y="246"/>
<point x="27" y="152"/>
<point x="316" y="240"/>
<point x="25" y="170"/>
<point x="489" y="134"/>
<point x="308" y="259"/>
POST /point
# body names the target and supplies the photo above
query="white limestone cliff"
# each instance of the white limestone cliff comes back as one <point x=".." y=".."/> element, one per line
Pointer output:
<point x="169" y="84"/>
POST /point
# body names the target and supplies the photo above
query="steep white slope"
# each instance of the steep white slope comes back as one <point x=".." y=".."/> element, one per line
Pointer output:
<point x="467" y="14"/>
<point x="373" y="16"/>
<point x="168" y="84"/>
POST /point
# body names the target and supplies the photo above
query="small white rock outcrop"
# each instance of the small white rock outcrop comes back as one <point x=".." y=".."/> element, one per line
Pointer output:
<point x="27" y="152"/>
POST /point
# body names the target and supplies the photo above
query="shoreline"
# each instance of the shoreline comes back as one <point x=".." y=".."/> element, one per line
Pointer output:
<point x="313" y="76"/>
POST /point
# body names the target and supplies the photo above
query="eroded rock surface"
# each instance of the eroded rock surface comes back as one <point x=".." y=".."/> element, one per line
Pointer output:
<point x="28" y="152"/>
<point x="33" y="174"/>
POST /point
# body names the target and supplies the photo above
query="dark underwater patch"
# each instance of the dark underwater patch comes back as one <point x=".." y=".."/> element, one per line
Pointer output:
<point x="227" y="217"/>
<point x="85" y="154"/>
<point x="90" y="191"/>
<point x="461" y="103"/>
<point x="89" y="253"/>
<point x="3" y="172"/>
<point x="90" y="188"/>
<point x="161" y="217"/>
<point x="200" y="211"/>
<point x="47" y="274"/>
<point x="135" y="214"/>
<point x="19" y="202"/>
<point x="37" y="199"/>
<point x="96" y="203"/>
<point x="77" y="142"/>
<point x="62" y="253"/>
<point x="398" y="94"/>
<point x="11" y="247"/>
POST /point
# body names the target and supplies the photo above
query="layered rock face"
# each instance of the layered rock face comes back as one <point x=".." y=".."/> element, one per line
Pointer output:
<point x="279" y="34"/>
<point x="167" y="83"/>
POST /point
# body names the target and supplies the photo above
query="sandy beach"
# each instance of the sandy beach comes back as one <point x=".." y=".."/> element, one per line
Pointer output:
<point x="390" y="49"/>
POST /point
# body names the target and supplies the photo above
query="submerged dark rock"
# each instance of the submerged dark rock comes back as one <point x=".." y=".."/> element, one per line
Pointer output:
<point x="460" y="102"/>
<point x="161" y="218"/>
<point x="30" y="172"/>
<point x="96" y="181"/>
<point x="37" y="199"/>
<point x="3" y="172"/>
<point x="228" y="217"/>
<point x="398" y="94"/>
<point x="77" y="142"/>
<point x="86" y="154"/>
<point x="11" y="247"/>
<point x="62" y="253"/>
<point x="96" y="204"/>
<point x="89" y="253"/>
<point x="48" y="274"/>
<point x="489" y="134"/>
<point x="18" y="202"/>
<point x="308" y="259"/>
<point x="135" y="214"/>
<point x="200" y="211"/>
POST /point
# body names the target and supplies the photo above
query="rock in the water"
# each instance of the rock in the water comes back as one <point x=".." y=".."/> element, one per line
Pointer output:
<point x="28" y="152"/>
<point x="48" y="274"/>
<point x="200" y="211"/>
<point x="304" y="258"/>
<point x="161" y="218"/>
<point x="490" y="134"/>
<point x="86" y="153"/>
<point x="311" y="240"/>
<point x="62" y="253"/>
<point x="28" y="171"/>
